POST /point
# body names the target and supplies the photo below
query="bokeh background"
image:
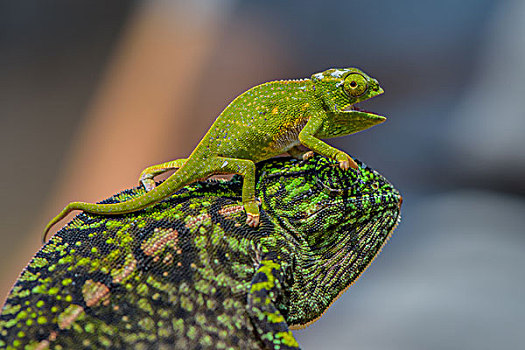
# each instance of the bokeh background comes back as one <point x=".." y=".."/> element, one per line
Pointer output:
<point x="91" y="92"/>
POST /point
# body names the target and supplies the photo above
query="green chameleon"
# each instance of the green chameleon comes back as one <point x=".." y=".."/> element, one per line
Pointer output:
<point x="263" y="122"/>
<point x="189" y="273"/>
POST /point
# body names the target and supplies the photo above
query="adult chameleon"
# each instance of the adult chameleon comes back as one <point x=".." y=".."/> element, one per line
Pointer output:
<point x="265" y="121"/>
<point x="189" y="273"/>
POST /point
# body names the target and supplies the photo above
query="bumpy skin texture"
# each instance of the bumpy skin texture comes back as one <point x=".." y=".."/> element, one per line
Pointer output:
<point x="263" y="122"/>
<point x="188" y="273"/>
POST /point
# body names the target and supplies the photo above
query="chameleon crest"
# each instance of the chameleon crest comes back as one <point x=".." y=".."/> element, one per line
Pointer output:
<point x="189" y="273"/>
<point x="265" y="121"/>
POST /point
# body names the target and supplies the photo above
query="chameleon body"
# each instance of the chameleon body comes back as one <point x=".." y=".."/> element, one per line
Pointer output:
<point x="263" y="122"/>
<point x="189" y="273"/>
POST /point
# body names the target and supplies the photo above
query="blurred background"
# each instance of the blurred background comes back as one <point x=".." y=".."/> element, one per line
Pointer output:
<point x="92" y="92"/>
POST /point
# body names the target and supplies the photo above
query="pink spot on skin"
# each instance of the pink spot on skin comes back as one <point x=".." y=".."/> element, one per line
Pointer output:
<point x="65" y="322"/>
<point x="125" y="272"/>
<point x="94" y="292"/>
<point x="44" y="344"/>
<point x="151" y="247"/>
<point x="196" y="220"/>
<point x="232" y="210"/>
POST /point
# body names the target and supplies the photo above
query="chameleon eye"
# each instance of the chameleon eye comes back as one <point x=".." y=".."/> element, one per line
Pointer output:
<point x="355" y="84"/>
<point x="375" y="186"/>
<point x="328" y="189"/>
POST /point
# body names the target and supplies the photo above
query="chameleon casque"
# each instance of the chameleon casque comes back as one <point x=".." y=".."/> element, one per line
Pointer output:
<point x="265" y="121"/>
<point x="189" y="273"/>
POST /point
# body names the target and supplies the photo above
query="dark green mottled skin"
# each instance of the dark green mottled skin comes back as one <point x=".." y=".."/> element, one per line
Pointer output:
<point x="188" y="273"/>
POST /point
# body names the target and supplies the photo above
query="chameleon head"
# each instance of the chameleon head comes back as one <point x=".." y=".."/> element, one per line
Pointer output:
<point x="329" y="198"/>
<point x="340" y="220"/>
<point x="341" y="89"/>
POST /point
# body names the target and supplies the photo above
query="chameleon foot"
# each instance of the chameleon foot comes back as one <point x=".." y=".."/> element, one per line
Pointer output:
<point x="252" y="213"/>
<point x="147" y="181"/>
<point x="252" y="220"/>
<point x="346" y="162"/>
<point x="308" y="155"/>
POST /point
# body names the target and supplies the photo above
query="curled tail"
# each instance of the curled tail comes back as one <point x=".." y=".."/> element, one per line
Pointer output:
<point x="174" y="183"/>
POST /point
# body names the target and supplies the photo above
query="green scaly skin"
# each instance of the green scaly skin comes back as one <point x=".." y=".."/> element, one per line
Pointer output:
<point x="263" y="122"/>
<point x="189" y="273"/>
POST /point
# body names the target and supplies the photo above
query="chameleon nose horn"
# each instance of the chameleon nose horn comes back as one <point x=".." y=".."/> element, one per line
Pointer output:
<point x="400" y="201"/>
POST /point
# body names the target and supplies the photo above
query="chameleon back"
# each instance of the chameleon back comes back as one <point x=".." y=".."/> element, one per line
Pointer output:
<point x="177" y="274"/>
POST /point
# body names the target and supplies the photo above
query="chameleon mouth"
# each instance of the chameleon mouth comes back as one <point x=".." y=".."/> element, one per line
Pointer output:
<point x="364" y="113"/>
<point x="356" y="108"/>
<point x="355" y="119"/>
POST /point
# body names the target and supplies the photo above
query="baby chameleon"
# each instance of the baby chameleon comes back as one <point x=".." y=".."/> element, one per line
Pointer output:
<point x="265" y="121"/>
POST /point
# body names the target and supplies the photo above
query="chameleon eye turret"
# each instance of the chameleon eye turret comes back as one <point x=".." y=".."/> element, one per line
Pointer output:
<point x="355" y="85"/>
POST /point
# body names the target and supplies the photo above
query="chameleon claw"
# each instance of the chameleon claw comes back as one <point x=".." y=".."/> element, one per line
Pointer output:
<point x="353" y="164"/>
<point x="308" y="155"/>
<point x="345" y="161"/>
<point x="346" y="164"/>
<point x="252" y="213"/>
<point x="147" y="181"/>
<point x="252" y="220"/>
<point x="148" y="184"/>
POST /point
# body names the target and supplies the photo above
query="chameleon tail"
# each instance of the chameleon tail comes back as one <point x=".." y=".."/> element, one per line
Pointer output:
<point x="174" y="183"/>
<point x="68" y="209"/>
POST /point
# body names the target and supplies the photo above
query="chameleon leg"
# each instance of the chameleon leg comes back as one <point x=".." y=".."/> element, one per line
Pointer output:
<point x="307" y="138"/>
<point x="187" y="174"/>
<point x="269" y="323"/>
<point x="246" y="168"/>
<point x="147" y="175"/>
